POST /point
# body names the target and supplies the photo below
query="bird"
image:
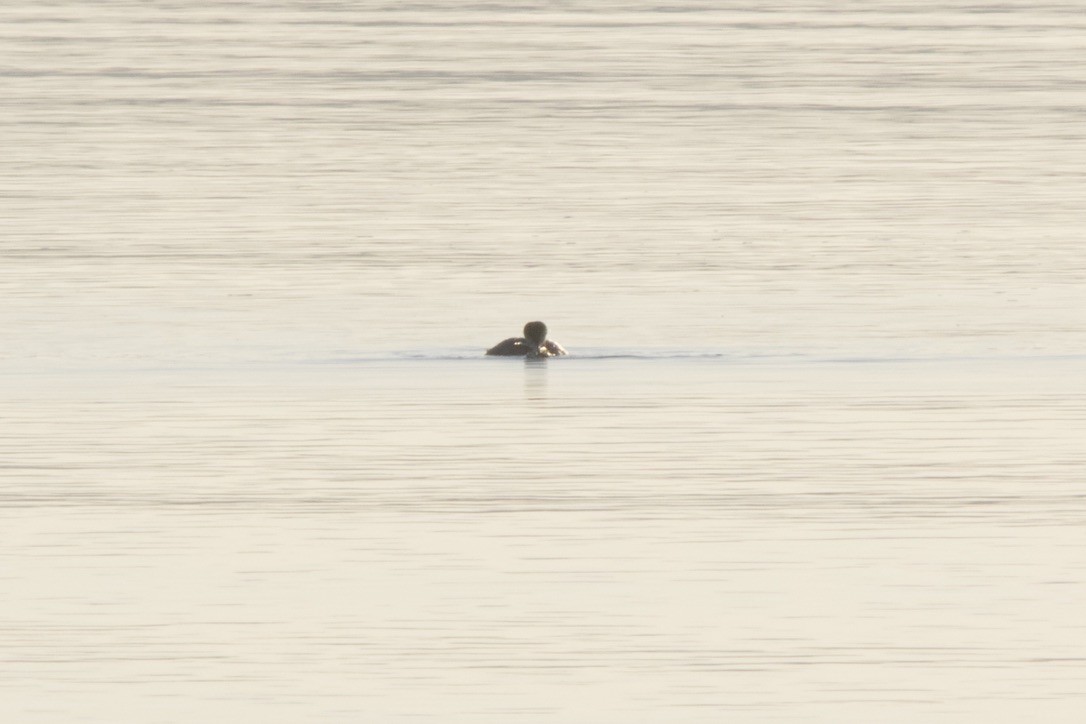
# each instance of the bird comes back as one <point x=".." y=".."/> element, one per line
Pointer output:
<point x="534" y="343"/>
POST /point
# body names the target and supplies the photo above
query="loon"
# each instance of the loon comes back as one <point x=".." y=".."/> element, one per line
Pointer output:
<point x="534" y="343"/>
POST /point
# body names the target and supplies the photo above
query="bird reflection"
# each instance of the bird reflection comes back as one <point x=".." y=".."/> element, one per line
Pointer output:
<point x="535" y="378"/>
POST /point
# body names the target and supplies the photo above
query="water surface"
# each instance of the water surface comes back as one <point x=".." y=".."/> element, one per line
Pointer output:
<point x="817" y="453"/>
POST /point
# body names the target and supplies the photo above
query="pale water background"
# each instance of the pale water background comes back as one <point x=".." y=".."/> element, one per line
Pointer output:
<point x="818" y="454"/>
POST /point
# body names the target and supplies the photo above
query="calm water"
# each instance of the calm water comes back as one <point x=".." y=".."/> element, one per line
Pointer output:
<point x="817" y="454"/>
